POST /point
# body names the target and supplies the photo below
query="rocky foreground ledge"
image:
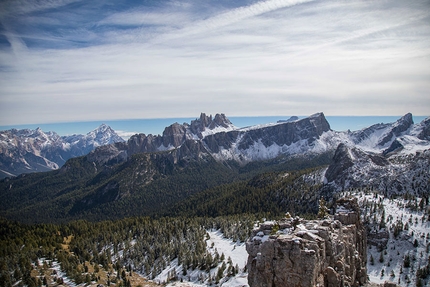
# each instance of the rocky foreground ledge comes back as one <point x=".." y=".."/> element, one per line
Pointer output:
<point x="296" y="252"/>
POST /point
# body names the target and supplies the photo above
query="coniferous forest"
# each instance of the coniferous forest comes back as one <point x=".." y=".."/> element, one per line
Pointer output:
<point x="108" y="243"/>
<point x="119" y="226"/>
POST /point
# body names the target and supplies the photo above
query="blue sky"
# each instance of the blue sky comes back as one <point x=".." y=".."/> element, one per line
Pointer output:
<point x="70" y="60"/>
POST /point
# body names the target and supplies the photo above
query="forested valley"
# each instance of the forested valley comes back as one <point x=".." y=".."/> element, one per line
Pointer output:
<point x="115" y="252"/>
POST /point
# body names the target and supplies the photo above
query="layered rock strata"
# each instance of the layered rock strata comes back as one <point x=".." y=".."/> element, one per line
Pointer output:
<point x="296" y="252"/>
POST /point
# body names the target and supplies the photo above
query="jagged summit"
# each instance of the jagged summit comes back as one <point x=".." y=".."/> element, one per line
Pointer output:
<point x="23" y="151"/>
<point x="177" y="134"/>
<point x="100" y="136"/>
<point x="206" y="125"/>
<point x="380" y="136"/>
<point x="103" y="135"/>
<point x="216" y="137"/>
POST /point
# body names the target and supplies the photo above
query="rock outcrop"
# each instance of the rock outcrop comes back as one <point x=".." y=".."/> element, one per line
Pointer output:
<point x="297" y="253"/>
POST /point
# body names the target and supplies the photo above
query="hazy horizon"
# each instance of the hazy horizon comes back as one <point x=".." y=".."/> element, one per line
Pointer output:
<point x="127" y="128"/>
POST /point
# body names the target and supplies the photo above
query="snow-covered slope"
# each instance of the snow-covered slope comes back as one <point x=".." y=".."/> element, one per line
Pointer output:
<point x="398" y="238"/>
<point x="234" y="254"/>
<point x="380" y="136"/>
<point x="24" y="151"/>
<point x="395" y="174"/>
<point x="103" y="135"/>
<point x="312" y="135"/>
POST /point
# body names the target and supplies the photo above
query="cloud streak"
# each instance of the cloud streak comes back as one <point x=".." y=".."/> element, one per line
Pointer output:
<point x="264" y="58"/>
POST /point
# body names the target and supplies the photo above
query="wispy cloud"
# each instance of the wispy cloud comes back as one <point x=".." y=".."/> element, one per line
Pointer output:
<point x="125" y="135"/>
<point x="264" y="58"/>
<point x="17" y="7"/>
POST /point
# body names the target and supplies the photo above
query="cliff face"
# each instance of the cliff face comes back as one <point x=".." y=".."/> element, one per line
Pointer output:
<point x="298" y="252"/>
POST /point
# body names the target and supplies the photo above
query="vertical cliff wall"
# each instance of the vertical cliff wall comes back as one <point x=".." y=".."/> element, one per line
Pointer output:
<point x="296" y="252"/>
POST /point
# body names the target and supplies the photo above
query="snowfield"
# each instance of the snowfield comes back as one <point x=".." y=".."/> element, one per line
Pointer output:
<point x="217" y="242"/>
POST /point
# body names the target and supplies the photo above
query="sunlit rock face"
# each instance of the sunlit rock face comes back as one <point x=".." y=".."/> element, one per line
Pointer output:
<point x="298" y="253"/>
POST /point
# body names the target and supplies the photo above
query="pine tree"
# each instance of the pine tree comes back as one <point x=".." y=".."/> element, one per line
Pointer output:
<point x="322" y="209"/>
<point x="407" y="261"/>
<point x="381" y="257"/>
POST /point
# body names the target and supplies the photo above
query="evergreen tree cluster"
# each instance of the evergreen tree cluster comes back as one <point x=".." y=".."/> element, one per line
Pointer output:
<point x="152" y="184"/>
<point x="85" y="250"/>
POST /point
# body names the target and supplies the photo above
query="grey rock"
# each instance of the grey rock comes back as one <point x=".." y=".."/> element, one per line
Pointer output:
<point x="333" y="255"/>
<point x="425" y="130"/>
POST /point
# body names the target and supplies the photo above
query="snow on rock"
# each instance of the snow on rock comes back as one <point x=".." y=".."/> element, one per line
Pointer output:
<point x="28" y="150"/>
<point x="302" y="252"/>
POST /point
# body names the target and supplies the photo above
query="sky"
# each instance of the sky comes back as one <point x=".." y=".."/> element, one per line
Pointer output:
<point x="73" y="60"/>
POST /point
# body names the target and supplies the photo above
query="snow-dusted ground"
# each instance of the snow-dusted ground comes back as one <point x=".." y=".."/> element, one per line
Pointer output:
<point x="412" y="241"/>
<point x="392" y="267"/>
<point x="388" y="268"/>
<point x="234" y="250"/>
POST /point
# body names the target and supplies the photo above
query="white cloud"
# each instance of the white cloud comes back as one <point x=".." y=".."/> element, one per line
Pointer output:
<point x="125" y="135"/>
<point x="269" y="58"/>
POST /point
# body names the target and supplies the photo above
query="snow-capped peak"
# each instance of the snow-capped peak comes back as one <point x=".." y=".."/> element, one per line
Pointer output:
<point x="103" y="135"/>
<point x="379" y="137"/>
<point x="206" y="125"/>
<point x="35" y="150"/>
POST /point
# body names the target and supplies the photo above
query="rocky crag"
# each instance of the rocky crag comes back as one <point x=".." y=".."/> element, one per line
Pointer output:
<point x="297" y="252"/>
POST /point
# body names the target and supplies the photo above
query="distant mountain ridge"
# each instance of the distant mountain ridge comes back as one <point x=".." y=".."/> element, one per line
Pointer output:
<point x="220" y="139"/>
<point x="24" y="151"/>
<point x="368" y="157"/>
<point x="149" y="173"/>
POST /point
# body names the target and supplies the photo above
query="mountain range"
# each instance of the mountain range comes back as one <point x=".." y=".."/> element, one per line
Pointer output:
<point x="161" y="174"/>
<point x="25" y="151"/>
<point x="220" y="139"/>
